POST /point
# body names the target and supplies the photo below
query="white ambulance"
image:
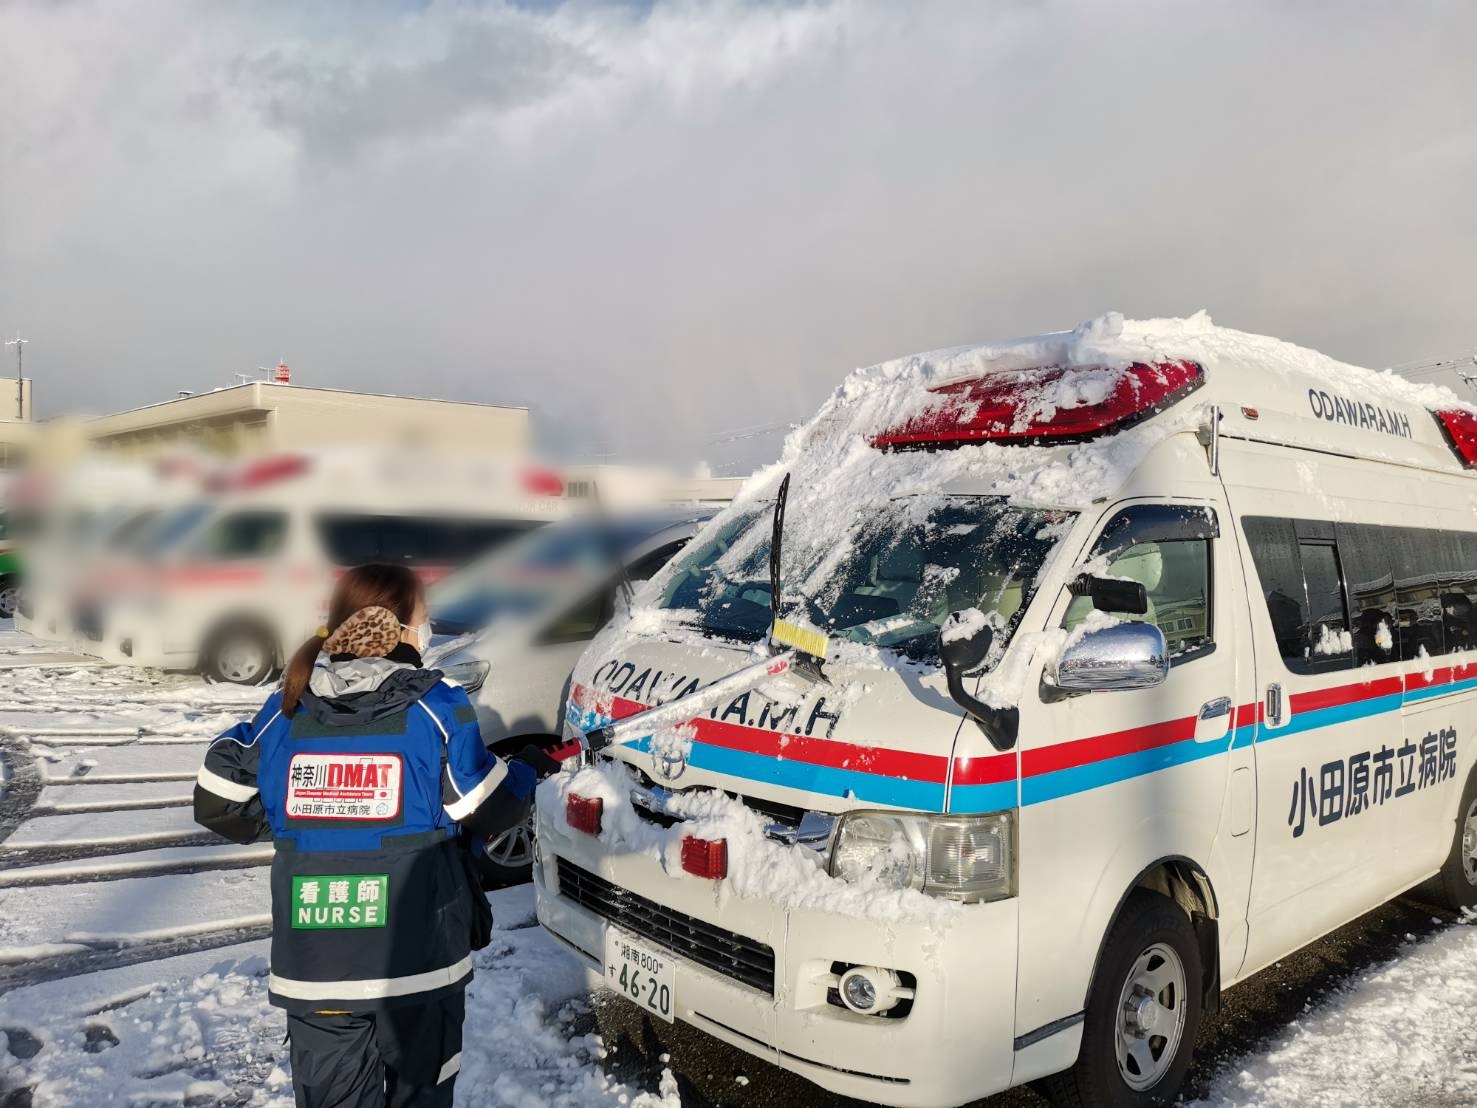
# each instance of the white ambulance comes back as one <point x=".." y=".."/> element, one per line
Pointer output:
<point x="1096" y="672"/>
<point x="233" y="582"/>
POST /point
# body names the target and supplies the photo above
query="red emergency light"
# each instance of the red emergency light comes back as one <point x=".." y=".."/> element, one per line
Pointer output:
<point x="583" y="813"/>
<point x="542" y="482"/>
<point x="705" y="857"/>
<point x="267" y="471"/>
<point x="1007" y="407"/>
<point x="1460" y="426"/>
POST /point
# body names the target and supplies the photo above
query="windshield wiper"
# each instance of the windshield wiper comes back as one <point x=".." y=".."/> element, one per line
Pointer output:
<point x="790" y="659"/>
<point x="776" y="544"/>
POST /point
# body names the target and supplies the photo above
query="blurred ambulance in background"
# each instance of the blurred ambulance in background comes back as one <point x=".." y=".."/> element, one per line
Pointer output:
<point x="233" y="581"/>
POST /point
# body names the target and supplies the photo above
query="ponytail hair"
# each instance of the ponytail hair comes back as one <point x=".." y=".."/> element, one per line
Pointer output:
<point x="385" y="586"/>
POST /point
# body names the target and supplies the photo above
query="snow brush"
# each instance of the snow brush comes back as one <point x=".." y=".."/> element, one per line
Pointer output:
<point x="795" y="662"/>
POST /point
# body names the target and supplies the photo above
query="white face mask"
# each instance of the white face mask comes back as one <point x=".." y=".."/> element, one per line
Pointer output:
<point x="422" y="634"/>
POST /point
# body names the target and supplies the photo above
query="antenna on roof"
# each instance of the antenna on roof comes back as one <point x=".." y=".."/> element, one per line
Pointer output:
<point x="1454" y="364"/>
<point x="1463" y="365"/>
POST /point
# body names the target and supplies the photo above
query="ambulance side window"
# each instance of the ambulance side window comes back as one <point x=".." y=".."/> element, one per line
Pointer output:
<point x="1176" y="578"/>
<point x="583" y="620"/>
<point x="1167" y="550"/>
<point x="1422" y="559"/>
<point x="1303" y="587"/>
<point x="242" y="535"/>
<point x="1459" y="593"/>
<point x="1369" y="573"/>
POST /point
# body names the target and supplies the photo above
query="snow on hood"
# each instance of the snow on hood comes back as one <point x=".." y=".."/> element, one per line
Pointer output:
<point x="758" y="867"/>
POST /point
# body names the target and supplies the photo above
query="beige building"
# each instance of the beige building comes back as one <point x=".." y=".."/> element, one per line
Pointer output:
<point x="622" y="487"/>
<point x="17" y="432"/>
<point x="263" y="416"/>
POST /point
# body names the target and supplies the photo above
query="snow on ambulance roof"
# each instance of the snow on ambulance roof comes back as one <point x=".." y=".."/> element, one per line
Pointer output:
<point x="1158" y="377"/>
<point x="1050" y="378"/>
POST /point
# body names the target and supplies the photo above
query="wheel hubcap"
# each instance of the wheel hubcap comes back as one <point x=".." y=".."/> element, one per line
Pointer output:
<point x="240" y="660"/>
<point x="1469" y="845"/>
<point x="514" y="847"/>
<point x="8" y="598"/>
<point x="1151" y="1017"/>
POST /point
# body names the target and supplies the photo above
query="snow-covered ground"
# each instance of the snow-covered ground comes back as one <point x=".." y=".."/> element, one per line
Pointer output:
<point x="132" y="958"/>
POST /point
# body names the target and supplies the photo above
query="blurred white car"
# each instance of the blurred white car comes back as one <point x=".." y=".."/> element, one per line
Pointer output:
<point x="521" y="617"/>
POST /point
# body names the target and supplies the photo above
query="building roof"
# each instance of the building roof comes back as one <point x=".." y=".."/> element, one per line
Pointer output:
<point x="249" y="396"/>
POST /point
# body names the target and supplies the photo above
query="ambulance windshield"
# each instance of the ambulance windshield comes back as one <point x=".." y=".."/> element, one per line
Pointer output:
<point x="891" y="583"/>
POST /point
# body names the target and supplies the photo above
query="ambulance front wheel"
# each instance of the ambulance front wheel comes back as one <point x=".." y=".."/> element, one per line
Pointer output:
<point x="239" y="654"/>
<point x="1143" y="1012"/>
<point x="1458" y="880"/>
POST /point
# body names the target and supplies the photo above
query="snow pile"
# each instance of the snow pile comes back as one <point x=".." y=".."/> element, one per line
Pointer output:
<point x="1333" y="641"/>
<point x="191" y="1041"/>
<point x="759" y="868"/>
<point x="964" y="625"/>
<point x="1401" y="1036"/>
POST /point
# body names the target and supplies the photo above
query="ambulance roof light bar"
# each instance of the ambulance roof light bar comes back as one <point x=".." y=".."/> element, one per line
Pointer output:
<point x="264" y="471"/>
<point x="1000" y="407"/>
<point x="1460" y="427"/>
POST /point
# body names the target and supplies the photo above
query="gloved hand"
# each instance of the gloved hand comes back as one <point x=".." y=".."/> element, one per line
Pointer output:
<point x="538" y="761"/>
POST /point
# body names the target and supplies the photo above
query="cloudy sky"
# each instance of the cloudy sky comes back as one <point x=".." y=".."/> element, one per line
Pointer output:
<point x="667" y="222"/>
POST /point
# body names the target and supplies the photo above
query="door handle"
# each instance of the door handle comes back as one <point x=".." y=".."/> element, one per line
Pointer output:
<point x="1214" y="709"/>
<point x="1213" y="720"/>
<point x="1274" y="705"/>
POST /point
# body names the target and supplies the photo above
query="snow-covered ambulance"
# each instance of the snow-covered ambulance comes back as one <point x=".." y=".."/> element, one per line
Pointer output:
<point x="1042" y="692"/>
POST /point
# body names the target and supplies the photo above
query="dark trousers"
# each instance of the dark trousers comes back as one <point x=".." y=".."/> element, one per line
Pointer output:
<point x="405" y="1057"/>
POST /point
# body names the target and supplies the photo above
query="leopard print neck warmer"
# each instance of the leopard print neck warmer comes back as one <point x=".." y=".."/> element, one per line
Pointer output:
<point x="369" y="633"/>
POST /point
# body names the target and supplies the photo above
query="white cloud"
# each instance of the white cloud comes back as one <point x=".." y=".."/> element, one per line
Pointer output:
<point x="698" y="217"/>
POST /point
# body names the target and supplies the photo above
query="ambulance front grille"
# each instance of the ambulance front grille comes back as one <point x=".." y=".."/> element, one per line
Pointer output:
<point x="734" y="956"/>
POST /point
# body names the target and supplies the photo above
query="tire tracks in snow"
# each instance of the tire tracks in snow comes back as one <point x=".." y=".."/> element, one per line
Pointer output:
<point x="114" y="954"/>
<point x="20" y="787"/>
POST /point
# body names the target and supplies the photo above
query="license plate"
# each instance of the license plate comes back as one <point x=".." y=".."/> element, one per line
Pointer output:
<point x="640" y="973"/>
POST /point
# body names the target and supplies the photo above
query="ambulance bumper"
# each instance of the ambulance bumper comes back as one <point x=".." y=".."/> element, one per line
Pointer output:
<point x="954" y="1044"/>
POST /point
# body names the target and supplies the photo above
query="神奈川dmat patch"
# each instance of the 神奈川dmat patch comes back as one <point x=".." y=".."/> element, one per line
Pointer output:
<point x="344" y="786"/>
<point x="340" y="900"/>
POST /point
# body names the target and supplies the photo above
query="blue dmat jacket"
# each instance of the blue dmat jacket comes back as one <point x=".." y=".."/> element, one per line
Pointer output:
<point x="362" y="791"/>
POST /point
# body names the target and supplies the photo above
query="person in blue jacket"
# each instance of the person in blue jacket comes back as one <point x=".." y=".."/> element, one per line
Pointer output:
<point x="364" y="768"/>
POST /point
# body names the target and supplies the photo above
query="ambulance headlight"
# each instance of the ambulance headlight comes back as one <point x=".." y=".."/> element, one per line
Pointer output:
<point x="966" y="858"/>
<point x="469" y="675"/>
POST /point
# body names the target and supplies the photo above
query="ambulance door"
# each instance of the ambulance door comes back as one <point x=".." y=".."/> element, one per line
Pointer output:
<point x="1117" y="782"/>
<point x="1327" y="743"/>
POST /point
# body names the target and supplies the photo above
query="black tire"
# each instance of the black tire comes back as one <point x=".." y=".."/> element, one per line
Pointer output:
<point x="239" y="654"/>
<point x="9" y="595"/>
<point x="1148" y="925"/>
<point x="1456" y="886"/>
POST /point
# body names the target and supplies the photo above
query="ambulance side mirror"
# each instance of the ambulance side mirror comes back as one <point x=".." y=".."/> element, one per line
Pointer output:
<point x="963" y="647"/>
<point x="1123" y="656"/>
